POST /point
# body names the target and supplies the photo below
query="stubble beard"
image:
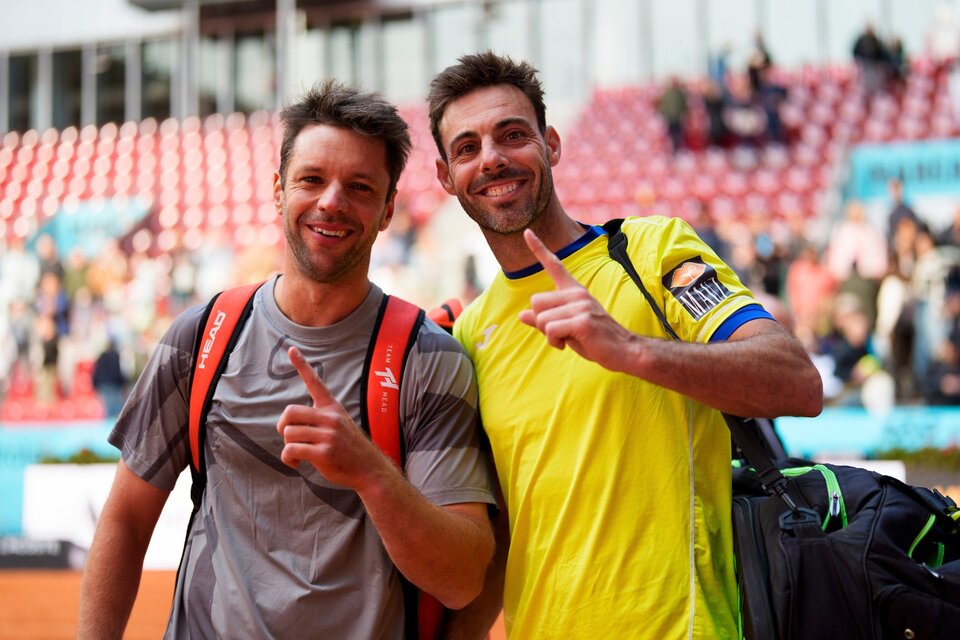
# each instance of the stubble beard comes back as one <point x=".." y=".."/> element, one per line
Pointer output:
<point x="325" y="272"/>
<point x="512" y="219"/>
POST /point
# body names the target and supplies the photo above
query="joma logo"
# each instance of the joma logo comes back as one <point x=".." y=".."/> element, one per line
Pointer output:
<point x="211" y="336"/>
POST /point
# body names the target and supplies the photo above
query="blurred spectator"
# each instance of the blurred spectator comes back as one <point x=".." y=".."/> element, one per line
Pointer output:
<point x="903" y="250"/>
<point x="672" y="107"/>
<point x="810" y="288"/>
<point x="53" y="307"/>
<point x="19" y="272"/>
<point x="107" y="275"/>
<point x="893" y="333"/>
<point x="872" y="59"/>
<point x="215" y="261"/>
<point x="865" y="382"/>
<point x="48" y="256"/>
<point x="8" y="355"/>
<point x="759" y="61"/>
<point x="899" y="210"/>
<point x="183" y="278"/>
<point x="109" y="379"/>
<point x="743" y="115"/>
<point x="713" y="105"/>
<point x="941" y="380"/>
<point x="897" y="61"/>
<point x="943" y="36"/>
<point x="47" y="389"/>
<point x="702" y="223"/>
<point x="928" y="285"/>
<point x="22" y="329"/>
<point x="718" y="65"/>
<point x="53" y="303"/>
<point x="950" y="236"/>
<point x="75" y="272"/>
<point x="857" y="257"/>
<point x="772" y="96"/>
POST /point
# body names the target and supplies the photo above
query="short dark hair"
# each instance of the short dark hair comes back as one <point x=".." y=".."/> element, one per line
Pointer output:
<point x="336" y="104"/>
<point x="478" y="70"/>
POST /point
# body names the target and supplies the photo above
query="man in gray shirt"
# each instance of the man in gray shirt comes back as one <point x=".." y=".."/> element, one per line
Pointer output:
<point x="305" y="526"/>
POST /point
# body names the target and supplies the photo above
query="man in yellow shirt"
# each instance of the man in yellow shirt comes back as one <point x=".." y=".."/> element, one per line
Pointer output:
<point x="612" y="454"/>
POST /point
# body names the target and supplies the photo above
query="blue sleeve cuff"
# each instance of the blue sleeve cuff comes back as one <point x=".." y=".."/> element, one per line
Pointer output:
<point x="739" y="318"/>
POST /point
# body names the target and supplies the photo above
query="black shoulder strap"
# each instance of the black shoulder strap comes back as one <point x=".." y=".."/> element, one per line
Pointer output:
<point x="745" y="431"/>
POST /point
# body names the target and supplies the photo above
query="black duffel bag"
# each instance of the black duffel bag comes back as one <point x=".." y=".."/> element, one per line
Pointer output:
<point x="831" y="551"/>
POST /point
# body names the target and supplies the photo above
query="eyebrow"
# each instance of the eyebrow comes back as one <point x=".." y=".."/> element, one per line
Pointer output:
<point x="316" y="168"/>
<point x="502" y="124"/>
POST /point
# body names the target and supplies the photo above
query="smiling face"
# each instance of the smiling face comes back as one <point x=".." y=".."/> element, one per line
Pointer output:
<point x="334" y="201"/>
<point x="498" y="164"/>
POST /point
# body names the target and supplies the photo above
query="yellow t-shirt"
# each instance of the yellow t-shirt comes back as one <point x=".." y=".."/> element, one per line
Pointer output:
<point x="618" y="491"/>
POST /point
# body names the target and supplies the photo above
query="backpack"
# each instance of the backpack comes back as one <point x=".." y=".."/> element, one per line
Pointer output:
<point x="829" y="551"/>
<point x="396" y="328"/>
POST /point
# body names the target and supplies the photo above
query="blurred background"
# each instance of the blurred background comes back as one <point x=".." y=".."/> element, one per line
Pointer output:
<point x="815" y="145"/>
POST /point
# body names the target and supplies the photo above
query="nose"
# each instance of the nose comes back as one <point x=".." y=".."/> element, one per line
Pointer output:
<point x="492" y="158"/>
<point x="333" y="197"/>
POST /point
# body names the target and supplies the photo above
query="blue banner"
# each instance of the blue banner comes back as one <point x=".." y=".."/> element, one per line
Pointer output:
<point x="924" y="168"/>
<point x="91" y="223"/>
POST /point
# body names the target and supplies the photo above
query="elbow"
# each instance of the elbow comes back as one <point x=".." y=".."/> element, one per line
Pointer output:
<point x="468" y="587"/>
<point x="461" y="597"/>
<point x="811" y="400"/>
<point x="469" y="580"/>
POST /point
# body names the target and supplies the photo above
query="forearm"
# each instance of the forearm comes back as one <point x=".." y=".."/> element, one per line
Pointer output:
<point x="109" y="587"/>
<point x="765" y="375"/>
<point x="444" y="551"/>
<point x="114" y="565"/>
<point x="474" y="621"/>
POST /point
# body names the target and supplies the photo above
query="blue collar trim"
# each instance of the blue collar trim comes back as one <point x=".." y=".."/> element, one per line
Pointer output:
<point x="592" y="232"/>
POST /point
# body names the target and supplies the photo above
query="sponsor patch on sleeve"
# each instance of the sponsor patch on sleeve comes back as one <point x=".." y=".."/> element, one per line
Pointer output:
<point x="696" y="287"/>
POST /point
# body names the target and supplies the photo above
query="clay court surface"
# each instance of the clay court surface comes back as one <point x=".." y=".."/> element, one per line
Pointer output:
<point x="42" y="605"/>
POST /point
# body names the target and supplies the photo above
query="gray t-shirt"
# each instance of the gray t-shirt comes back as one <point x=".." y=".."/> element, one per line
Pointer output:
<point x="276" y="552"/>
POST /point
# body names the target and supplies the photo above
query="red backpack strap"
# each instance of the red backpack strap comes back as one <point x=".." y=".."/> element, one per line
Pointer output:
<point x="225" y="314"/>
<point x="393" y="336"/>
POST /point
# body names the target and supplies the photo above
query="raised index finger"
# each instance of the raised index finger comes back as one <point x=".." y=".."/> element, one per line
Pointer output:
<point x="315" y="387"/>
<point x="551" y="263"/>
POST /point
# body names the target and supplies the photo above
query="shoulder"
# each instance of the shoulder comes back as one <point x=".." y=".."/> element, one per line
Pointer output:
<point x="433" y="338"/>
<point x="182" y="333"/>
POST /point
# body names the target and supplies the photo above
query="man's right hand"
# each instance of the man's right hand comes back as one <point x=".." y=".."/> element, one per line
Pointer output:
<point x="325" y="436"/>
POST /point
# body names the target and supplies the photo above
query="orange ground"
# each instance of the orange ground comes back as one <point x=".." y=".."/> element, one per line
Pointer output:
<point x="42" y="605"/>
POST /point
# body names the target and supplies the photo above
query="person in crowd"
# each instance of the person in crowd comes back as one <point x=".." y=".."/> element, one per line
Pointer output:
<point x="109" y="380"/>
<point x="612" y="454"/>
<point x="928" y="288"/>
<point x="899" y="209"/>
<point x="857" y="257"/>
<point x="672" y="107"/>
<point x="305" y="527"/>
<point x="873" y="61"/>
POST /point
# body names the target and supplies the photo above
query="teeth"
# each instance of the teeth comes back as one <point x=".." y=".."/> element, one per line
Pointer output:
<point x="332" y="234"/>
<point x="503" y="189"/>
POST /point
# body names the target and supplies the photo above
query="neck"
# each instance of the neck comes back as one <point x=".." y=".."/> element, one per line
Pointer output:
<point x="555" y="229"/>
<point x="317" y="304"/>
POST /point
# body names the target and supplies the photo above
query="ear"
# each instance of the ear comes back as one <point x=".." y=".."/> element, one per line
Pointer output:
<point x="277" y="193"/>
<point x="388" y="211"/>
<point x="552" y="138"/>
<point x="443" y="175"/>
